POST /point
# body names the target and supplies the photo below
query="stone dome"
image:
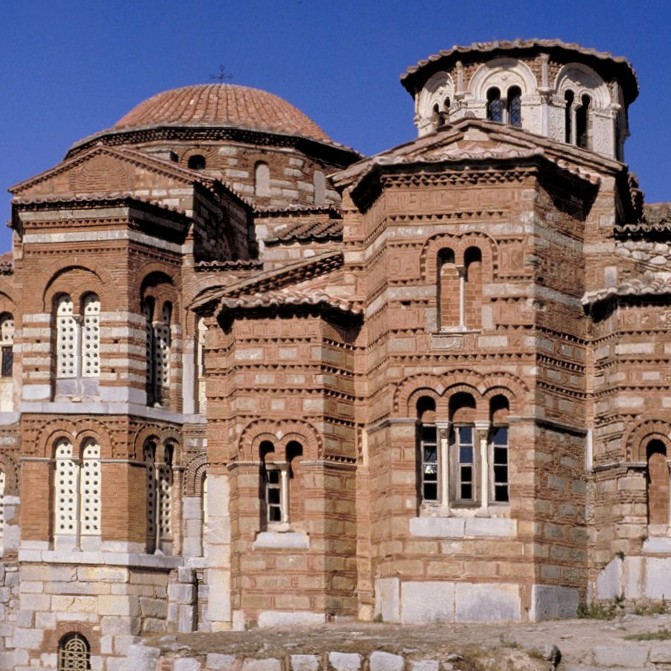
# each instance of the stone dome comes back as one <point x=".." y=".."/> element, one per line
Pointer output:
<point x="220" y="105"/>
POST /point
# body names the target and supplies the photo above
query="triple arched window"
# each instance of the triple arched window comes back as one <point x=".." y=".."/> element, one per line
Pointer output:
<point x="77" y="488"/>
<point x="462" y="461"/>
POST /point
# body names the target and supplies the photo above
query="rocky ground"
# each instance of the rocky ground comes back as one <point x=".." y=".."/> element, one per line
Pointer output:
<point x="583" y="643"/>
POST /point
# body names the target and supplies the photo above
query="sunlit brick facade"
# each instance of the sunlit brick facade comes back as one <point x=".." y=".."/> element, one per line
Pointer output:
<point x="252" y="378"/>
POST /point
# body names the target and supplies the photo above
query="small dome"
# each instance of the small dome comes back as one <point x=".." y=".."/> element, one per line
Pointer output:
<point x="222" y="105"/>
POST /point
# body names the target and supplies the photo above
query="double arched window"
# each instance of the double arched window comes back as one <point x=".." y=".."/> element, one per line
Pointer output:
<point x="158" y="340"/>
<point x="77" y="492"/>
<point x="281" y="477"/>
<point x="460" y="288"/>
<point x="577" y="112"/>
<point x="77" y="343"/>
<point x="506" y="109"/>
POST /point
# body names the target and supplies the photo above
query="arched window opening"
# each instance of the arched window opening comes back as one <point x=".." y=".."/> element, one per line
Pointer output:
<point x="582" y="122"/>
<point x="429" y="461"/>
<point x="67" y="338"/>
<point x="158" y="349"/>
<point x="658" y="484"/>
<point x="203" y="515"/>
<point x="74" y="653"/>
<point x="201" y="396"/>
<point x="514" y="106"/>
<point x="90" y="490"/>
<point x="498" y="450"/>
<point x="472" y="288"/>
<point x="91" y="336"/>
<point x="262" y="180"/>
<point x="159" y="479"/>
<point x="3" y="481"/>
<point x="494" y="105"/>
<point x="294" y="502"/>
<point x="464" y="485"/>
<point x="319" y="182"/>
<point x="6" y="344"/>
<point x="281" y="485"/>
<point x="449" y="291"/>
<point x="66" y="492"/>
<point x="569" y="98"/>
<point x="196" y="162"/>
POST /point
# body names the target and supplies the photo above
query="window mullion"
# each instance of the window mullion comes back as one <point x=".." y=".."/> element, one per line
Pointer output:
<point x="481" y="435"/>
<point x="444" y="463"/>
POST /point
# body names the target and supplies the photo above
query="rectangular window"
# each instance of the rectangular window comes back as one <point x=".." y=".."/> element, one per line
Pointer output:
<point x="499" y="461"/>
<point x="274" y="495"/>
<point x="465" y="472"/>
<point x="429" y="451"/>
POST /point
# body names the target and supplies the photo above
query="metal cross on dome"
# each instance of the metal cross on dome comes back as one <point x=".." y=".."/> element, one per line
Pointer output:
<point x="222" y="76"/>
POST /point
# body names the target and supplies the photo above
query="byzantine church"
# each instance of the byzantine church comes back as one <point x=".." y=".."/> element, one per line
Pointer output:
<point x="250" y="377"/>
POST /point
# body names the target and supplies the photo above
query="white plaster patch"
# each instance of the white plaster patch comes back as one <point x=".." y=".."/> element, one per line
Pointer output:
<point x="425" y="602"/>
<point x="491" y="602"/>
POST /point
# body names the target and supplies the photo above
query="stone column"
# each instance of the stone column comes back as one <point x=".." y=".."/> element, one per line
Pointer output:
<point x="443" y="431"/>
<point x="482" y="435"/>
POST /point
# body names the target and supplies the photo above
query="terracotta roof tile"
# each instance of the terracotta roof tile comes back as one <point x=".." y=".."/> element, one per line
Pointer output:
<point x="289" y="297"/>
<point x="309" y="231"/>
<point x="653" y="285"/>
<point x="222" y="105"/>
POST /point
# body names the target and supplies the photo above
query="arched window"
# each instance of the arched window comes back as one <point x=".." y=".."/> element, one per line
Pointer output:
<point x="262" y="180"/>
<point x="90" y="492"/>
<point x="159" y="482"/>
<point x="429" y="462"/>
<point x="74" y="653"/>
<point x="472" y="289"/>
<point x="463" y="446"/>
<point x="158" y="341"/>
<point x="448" y="290"/>
<point x="658" y="483"/>
<point x="498" y="450"/>
<point x="3" y="480"/>
<point x="6" y="344"/>
<point x="582" y="122"/>
<point x="514" y="106"/>
<point x="66" y="492"/>
<point x="319" y="181"/>
<point x="569" y="98"/>
<point x="281" y="479"/>
<point x="494" y="105"/>
<point x="77" y="344"/>
<point x="196" y="162"/>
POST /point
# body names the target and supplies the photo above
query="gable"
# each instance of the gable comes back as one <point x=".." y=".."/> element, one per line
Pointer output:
<point x="106" y="171"/>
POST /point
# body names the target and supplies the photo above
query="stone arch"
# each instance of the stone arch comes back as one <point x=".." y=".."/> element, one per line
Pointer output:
<point x="459" y="244"/>
<point x="408" y="390"/>
<point x="280" y="433"/>
<point x="76" y="281"/>
<point x="638" y="437"/>
<point x="7" y="303"/>
<point x="508" y="385"/>
<point x="438" y="88"/>
<point x="53" y="431"/>
<point x="583" y="81"/>
<point x="193" y="472"/>
<point x="503" y="73"/>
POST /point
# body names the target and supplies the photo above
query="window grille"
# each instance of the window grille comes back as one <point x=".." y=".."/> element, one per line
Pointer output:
<point x="162" y="338"/>
<point x="494" y="105"/>
<point x="514" y="107"/>
<point x="149" y="458"/>
<point x="66" y="338"/>
<point x="90" y="490"/>
<point x="6" y="344"/>
<point x="91" y="337"/>
<point x="273" y="494"/>
<point x="164" y="486"/>
<point x="74" y="654"/>
<point x="3" y="479"/>
<point x="65" y="490"/>
<point x="429" y="448"/>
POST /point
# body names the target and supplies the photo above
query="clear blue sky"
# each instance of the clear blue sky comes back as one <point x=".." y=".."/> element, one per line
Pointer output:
<point x="70" y="68"/>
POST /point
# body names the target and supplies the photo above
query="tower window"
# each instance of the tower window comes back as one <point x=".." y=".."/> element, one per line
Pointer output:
<point x="6" y="344"/>
<point x="569" y="97"/>
<point x="514" y="106"/>
<point x="582" y="122"/>
<point x="494" y="105"/>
